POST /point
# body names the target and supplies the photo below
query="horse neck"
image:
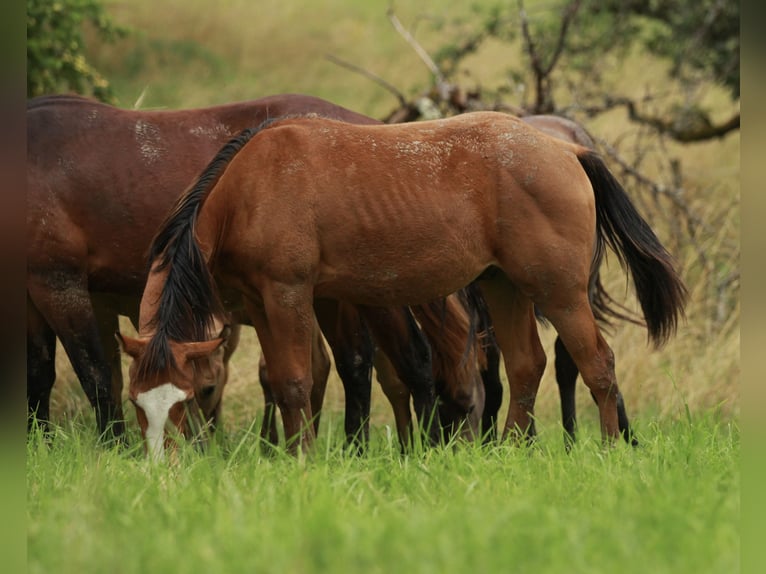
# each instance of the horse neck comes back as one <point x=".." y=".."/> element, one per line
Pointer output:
<point x="447" y="326"/>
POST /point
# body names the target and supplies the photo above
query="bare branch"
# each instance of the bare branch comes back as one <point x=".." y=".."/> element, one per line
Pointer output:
<point x="673" y="128"/>
<point x="543" y="96"/>
<point x="430" y="64"/>
<point x="566" y="21"/>
<point x="367" y="74"/>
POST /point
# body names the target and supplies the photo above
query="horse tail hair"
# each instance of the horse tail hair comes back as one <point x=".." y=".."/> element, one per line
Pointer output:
<point x="189" y="301"/>
<point x="659" y="288"/>
<point x="605" y="308"/>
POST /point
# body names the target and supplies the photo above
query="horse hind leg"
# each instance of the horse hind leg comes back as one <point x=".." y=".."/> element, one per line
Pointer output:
<point x="566" y="378"/>
<point x="575" y="324"/>
<point x="516" y="334"/>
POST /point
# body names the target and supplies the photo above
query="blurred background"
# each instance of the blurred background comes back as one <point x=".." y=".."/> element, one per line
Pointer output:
<point x="655" y="82"/>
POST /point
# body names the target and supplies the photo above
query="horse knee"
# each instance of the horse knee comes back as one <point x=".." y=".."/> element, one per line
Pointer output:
<point x="531" y="370"/>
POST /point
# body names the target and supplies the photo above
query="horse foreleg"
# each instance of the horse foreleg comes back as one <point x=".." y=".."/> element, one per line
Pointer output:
<point x="352" y="348"/>
<point x="67" y="308"/>
<point x="574" y="322"/>
<point x="269" y="431"/>
<point x="232" y="342"/>
<point x="284" y="323"/>
<point x="493" y="392"/>
<point x="398" y="396"/>
<point x="108" y="324"/>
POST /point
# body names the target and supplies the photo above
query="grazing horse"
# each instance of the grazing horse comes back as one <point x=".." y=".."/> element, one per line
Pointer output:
<point x="453" y="326"/>
<point x="99" y="181"/>
<point x="310" y="208"/>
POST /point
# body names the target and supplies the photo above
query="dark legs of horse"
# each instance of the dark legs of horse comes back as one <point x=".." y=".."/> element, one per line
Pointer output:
<point x="493" y="389"/>
<point x="107" y="319"/>
<point x="77" y="329"/>
<point x="490" y="376"/>
<point x="41" y="367"/>
<point x="353" y="351"/>
<point x="400" y="338"/>
<point x="566" y="377"/>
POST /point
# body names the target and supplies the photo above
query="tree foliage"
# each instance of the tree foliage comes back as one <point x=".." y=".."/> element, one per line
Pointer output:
<point x="56" y="49"/>
<point x="567" y="42"/>
<point x="699" y="37"/>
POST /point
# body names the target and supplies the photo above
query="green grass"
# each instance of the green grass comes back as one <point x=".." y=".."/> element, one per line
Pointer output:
<point x="670" y="506"/>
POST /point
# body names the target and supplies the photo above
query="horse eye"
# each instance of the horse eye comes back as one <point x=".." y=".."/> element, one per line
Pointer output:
<point x="207" y="391"/>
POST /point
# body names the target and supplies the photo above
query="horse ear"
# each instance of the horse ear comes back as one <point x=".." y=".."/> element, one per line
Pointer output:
<point x="129" y="345"/>
<point x="198" y="350"/>
<point x="225" y="332"/>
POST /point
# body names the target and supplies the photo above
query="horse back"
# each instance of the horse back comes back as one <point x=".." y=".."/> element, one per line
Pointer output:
<point x="102" y="178"/>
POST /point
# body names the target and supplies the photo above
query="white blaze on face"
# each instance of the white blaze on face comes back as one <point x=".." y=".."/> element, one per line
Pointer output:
<point x="156" y="405"/>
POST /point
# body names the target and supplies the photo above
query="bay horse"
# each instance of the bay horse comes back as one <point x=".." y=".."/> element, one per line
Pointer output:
<point x="99" y="181"/>
<point x="458" y="333"/>
<point x="309" y="208"/>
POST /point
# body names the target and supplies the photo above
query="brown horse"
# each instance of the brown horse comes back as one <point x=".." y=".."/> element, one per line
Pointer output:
<point x="309" y="207"/>
<point x="99" y="181"/>
<point x="458" y="343"/>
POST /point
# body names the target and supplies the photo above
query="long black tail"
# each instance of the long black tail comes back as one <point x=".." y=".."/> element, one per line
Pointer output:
<point x="659" y="288"/>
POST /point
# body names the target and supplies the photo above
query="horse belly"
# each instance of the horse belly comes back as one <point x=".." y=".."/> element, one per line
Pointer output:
<point x="399" y="273"/>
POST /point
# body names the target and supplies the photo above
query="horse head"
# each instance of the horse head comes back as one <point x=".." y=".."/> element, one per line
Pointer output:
<point x="183" y="395"/>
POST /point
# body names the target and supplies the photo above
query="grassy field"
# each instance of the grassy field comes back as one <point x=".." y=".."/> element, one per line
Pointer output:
<point x="670" y="506"/>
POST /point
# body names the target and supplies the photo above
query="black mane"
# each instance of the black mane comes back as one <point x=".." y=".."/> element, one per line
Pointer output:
<point x="189" y="301"/>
